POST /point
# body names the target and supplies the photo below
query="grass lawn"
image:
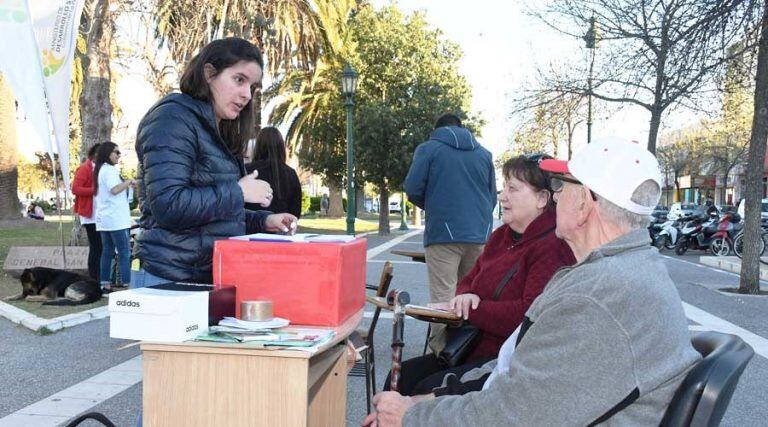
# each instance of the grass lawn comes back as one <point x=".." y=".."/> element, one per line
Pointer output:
<point x="325" y="225"/>
<point x="28" y="232"/>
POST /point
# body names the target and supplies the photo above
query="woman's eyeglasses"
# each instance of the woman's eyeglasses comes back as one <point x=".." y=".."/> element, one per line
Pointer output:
<point x="557" y="181"/>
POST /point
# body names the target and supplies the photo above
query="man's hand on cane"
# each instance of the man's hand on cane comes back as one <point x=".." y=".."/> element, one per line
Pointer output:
<point x="390" y="407"/>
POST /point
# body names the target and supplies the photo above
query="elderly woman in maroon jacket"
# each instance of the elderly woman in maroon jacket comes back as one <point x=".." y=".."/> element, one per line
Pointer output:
<point x="525" y="246"/>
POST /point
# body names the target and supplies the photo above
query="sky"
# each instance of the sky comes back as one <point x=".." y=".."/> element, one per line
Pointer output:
<point x="502" y="47"/>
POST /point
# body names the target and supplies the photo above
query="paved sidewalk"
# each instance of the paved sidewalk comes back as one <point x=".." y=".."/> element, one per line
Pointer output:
<point x="730" y="263"/>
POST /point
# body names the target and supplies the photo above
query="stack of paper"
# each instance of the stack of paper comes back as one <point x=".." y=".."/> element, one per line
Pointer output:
<point x="283" y="337"/>
<point x="249" y="325"/>
<point x="296" y="238"/>
<point x="272" y="333"/>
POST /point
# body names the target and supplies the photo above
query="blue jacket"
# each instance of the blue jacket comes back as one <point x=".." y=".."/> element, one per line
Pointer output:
<point x="452" y="178"/>
<point x="188" y="190"/>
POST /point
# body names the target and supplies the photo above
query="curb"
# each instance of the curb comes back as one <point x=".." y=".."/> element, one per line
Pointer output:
<point x="42" y="325"/>
<point x="729" y="263"/>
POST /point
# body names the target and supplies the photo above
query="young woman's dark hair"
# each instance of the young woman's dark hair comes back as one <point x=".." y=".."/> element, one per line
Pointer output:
<point x="526" y="169"/>
<point x="221" y="54"/>
<point x="93" y="149"/>
<point x="102" y="156"/>
<point x="270" y="146"/>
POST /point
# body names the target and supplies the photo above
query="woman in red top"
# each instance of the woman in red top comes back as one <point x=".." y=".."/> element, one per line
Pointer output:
<point x="527" y="245"/>
<point x="82" y="188"/>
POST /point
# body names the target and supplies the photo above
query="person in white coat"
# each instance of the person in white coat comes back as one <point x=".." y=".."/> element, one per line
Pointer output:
<point x="113" y="214"/>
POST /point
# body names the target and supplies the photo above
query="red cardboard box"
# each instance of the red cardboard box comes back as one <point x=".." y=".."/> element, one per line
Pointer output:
<point x="319" y="284"/>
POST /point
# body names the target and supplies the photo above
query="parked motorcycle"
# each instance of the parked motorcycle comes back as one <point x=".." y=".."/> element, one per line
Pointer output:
<point x="697" y="233"/>
<point x="731" y="224"/>
<point x="655" y="226"/>
<point x="670" y="230"/>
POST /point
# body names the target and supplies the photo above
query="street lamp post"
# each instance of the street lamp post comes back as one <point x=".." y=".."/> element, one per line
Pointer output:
<point x="591" y="40"/>
<point x="348" y="89"/>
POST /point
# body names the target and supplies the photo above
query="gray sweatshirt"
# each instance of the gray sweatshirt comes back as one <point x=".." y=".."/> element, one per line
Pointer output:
<point x="602" y="330"/>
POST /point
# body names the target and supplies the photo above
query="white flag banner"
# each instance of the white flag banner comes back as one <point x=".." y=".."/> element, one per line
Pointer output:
<point x="55" y="25"/>
<point x="20" y="63"/>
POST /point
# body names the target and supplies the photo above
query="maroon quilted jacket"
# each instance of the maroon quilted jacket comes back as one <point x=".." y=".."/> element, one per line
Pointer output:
<point x="537" y="254"/>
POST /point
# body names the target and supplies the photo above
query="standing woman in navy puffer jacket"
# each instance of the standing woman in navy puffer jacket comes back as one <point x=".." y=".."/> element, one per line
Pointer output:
<point x="192" y="182"/>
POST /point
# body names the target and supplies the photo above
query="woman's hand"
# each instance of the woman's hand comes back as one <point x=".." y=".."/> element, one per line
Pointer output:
<point x="460" y="304"/>
<point x="119" y="188"/>
<point x="255" y="190"/>
<point x="267" y="198"/>
<point x="281" y="223"/>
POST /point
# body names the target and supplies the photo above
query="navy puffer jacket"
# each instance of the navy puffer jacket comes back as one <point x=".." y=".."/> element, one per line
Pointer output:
<point x="188" y="190"/>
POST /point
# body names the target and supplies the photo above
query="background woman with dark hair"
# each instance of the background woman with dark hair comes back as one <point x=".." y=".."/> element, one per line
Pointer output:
<point x="192" y="181"/>
<point x="82" y="188"/>
<point x="113" y="214"/>
<point x="269" y="161"/>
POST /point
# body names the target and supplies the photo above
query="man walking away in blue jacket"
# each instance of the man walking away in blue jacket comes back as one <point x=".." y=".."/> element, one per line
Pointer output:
<point x="453" y="180"/>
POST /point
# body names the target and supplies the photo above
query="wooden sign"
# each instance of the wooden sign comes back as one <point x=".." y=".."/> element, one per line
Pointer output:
<point x="22" y="257"/>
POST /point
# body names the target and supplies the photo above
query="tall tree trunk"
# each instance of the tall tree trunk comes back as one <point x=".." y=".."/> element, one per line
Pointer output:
<point x="384" y="210"/>
<point x="750" y="266"/>
<point x="653" y="131"/>
<point x="95" y="102"/>
<point x="9" y="158"/>
<point x="335" y="206"/>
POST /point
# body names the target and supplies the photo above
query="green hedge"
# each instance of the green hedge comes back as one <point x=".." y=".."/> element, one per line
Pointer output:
<point x="314" y="204"/>
<point x="305" y="202"/>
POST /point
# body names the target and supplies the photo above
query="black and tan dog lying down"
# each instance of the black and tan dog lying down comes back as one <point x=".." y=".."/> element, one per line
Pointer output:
<point x="57" y="287"/>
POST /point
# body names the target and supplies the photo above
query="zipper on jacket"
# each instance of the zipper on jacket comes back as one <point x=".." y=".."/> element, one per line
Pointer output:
<point x="449" y="230"/>
<point x="455" y="138"/>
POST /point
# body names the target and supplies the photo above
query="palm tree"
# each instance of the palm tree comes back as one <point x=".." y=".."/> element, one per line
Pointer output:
<point x="287" y="31"/>
<point x="308" y="101"/>
<point x="93" y="74"/>
<point x="9" y="199"/>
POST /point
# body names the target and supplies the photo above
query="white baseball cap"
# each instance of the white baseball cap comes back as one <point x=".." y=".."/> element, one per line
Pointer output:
<point x="613" y="169"/>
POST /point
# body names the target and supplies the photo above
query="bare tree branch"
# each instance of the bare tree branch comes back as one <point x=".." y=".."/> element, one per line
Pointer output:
<point x="653" y="53"/>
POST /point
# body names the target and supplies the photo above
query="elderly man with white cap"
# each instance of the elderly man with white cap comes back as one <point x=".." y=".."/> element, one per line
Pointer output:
<point x="607" y="341"/>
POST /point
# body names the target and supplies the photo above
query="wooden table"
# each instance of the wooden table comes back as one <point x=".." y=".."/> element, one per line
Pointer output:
<point x="419" y="312"/>
<point x="416" y="256"/>
<point x="221" y="384"/>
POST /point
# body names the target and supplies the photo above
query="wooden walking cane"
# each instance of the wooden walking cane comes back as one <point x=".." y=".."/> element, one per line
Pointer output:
<point x="399" y="299"/>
